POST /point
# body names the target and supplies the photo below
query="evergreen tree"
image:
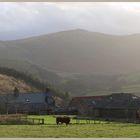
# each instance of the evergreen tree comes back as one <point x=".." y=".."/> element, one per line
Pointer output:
<point x="16" y="91"/>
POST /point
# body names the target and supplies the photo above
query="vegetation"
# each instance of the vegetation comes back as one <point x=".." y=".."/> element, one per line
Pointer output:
<point x="76" y="84"/>
<point x="8" y="83"/>
<point x="22" y="76"/>
<point x="16" y="91"/>
<point x="61" y="65"/>
<point x="50" y="129"/>
<point x="30" y="80"/>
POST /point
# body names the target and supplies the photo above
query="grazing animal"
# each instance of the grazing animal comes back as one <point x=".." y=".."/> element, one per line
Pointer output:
<point x="62" y="120"/>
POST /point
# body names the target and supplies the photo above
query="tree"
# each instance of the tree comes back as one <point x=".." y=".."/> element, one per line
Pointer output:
<point x="67" y="95"/>
<point x="47" y="90"/>
<point x="7" y="103"/>
<point x="16" y="91"/>
<point x="66" y="99"/>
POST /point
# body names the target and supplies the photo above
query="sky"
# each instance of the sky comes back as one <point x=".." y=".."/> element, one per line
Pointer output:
<point x="25" y="19"/>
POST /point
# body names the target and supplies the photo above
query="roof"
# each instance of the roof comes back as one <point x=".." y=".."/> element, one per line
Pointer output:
<point x="88" y="97"/>
<point x="30" y="98"/>
<point x="116" y="100"/>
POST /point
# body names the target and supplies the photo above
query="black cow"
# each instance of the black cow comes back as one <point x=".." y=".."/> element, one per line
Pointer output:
<point x="62" y="120"/>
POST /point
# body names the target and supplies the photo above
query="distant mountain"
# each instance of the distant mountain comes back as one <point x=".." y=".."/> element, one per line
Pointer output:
<point x="78" y="61"/>
<point x="77" y="51"/>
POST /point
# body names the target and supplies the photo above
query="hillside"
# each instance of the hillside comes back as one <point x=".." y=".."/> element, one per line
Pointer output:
<point x="78" y="61"/>
<point x="78" y="51"/>
<point x="31" y="69"/>
<point x="10" y="78"/>
<point x="8" y="83"/>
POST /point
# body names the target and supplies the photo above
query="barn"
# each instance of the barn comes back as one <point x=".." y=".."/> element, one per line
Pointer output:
<point x="29" y="103"/>
<point x="114" y="106"/>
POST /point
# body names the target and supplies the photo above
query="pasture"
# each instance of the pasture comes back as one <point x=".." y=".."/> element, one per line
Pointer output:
<point x="81" y="130"/>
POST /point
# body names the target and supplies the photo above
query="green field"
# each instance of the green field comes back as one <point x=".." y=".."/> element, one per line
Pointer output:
<point x="81" y="130"/>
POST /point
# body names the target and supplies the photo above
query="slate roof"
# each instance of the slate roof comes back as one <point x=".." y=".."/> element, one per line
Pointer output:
<point x="115" y="100"/>
<point x="31" y="98"/>
<point x="25" y="98"/>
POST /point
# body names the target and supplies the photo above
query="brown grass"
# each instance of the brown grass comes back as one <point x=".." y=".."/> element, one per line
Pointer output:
<point x="7" y="84"/>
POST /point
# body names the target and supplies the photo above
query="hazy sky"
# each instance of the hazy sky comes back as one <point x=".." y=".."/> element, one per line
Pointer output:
<point x="19" y="20"/>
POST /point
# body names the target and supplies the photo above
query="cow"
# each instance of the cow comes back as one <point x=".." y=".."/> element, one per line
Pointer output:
<point x="62" y="120"/>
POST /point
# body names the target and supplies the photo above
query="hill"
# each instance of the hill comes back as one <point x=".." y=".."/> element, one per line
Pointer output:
<point x="78" y="61"/>
<point x="31" y="69"/>
<point x="8" y="83"/>
<point x="10" y="78"/>
<point x="78" y="51"/>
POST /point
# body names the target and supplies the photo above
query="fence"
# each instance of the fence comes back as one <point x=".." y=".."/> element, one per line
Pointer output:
<point x="19" y="119"/>
<point x="89" y="120"/>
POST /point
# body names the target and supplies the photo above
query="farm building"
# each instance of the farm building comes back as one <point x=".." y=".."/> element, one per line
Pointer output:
<point x="114" y="106"/>
<point x="30" y="103"/>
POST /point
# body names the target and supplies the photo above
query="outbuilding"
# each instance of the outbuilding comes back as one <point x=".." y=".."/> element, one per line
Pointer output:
<point x="115" y="106"/>
<point x="29" y="103"/>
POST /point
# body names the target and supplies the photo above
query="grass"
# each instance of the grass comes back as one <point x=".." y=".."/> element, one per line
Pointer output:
<point x="81" y="130"/>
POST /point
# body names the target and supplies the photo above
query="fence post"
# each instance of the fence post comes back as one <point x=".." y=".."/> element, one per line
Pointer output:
<point x="42" y="121"/>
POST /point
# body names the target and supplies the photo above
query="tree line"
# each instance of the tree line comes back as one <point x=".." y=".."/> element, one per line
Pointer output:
<point x="33" y="81"/>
